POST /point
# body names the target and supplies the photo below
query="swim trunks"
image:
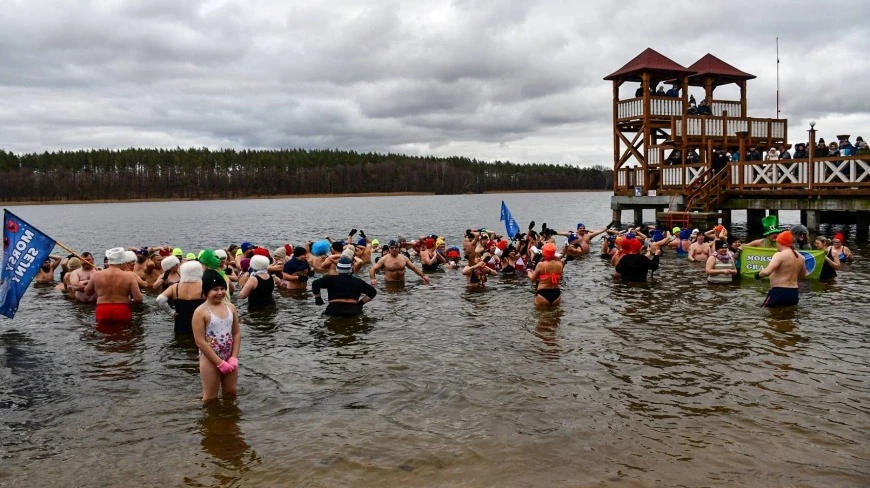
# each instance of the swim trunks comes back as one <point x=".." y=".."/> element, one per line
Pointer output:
<point x="781" y="297"/>
<point x="114" y="313"/>
<point x="550" y="294"/>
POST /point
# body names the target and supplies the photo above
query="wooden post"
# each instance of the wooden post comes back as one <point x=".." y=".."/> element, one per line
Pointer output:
<point x="741" y="137"/>
<point x="709" y="151"/>
<point x="708" y="91"/>
<point x="683" y="120"/>
<point x="725" y="130"/>
<point x="742" y="84"/>
<point x="646" y="126"/>
<point x="616" y="84"/>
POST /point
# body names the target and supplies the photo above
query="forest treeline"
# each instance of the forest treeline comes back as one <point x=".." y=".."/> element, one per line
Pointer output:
<point x="204" y="174"/>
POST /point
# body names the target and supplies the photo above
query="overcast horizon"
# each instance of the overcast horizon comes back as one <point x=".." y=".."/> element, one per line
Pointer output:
<point x="518" y="81"/>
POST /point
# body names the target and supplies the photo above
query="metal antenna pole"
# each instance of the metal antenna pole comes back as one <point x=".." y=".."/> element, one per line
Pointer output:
<point x="777" y="77"/>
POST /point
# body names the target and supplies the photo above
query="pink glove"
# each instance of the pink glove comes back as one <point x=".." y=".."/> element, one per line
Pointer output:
<point x="225" y="367"/>
<point x="234" y="362"/>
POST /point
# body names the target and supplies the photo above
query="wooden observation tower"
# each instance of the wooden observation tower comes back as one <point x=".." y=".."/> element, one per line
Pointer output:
<point x="665" y="144"/>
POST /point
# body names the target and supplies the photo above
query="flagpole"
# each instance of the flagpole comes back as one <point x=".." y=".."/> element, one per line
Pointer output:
<point x="62" y="245"/>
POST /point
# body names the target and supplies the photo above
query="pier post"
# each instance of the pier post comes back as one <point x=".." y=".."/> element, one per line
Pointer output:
<point x="862" y="219"/>
<point x="638" y="216"/>
<point x="617" y="215"/>
<point x="753" y="220"/>
<point x="726" y="219"/>
<point x="812" y="219"/>
<point x="774" y="212"/>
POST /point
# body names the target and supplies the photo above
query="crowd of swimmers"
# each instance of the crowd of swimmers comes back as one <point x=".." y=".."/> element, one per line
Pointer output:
<point x="195" y="289"/>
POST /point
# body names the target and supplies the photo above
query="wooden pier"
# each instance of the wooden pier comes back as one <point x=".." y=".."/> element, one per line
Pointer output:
<point x="663" y="152"/>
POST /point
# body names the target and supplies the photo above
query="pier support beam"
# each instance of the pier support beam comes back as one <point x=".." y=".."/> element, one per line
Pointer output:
<point x="638" y="216"/>
<point x="726" y="219"/>
<point x="862" y="219"/>
<point x="617" y="215"/>
<point x="812" y="219"/>
<point x="774" y="212"/>
<point x="753" y="220"/>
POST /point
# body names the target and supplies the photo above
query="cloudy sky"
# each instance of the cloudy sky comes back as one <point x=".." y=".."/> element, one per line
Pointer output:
<point x="510" y="80"/>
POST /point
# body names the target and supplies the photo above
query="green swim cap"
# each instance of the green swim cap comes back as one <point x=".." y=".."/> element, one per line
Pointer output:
<point x="177" y="252"/>
<point x="190" y="256"/>
<point x="209" y="259"/>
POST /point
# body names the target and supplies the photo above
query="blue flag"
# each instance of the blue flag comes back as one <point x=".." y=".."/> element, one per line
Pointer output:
<point x="510" y="225"/>
<point x="24" y="250"/>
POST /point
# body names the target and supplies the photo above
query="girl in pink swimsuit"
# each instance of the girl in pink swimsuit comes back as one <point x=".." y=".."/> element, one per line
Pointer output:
<point x="217" y="334"/>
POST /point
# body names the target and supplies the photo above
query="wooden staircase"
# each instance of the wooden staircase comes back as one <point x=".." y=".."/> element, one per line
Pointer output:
<point x="703" y="196"/>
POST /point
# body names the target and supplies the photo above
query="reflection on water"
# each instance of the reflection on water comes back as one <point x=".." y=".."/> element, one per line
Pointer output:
<point x="224" y="442"/>
<point x="547" y="329"/>
<point x="667" y="383"/>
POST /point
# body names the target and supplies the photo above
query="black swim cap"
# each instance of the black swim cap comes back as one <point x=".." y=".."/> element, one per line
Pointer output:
<point x="299" y="251"/>
<point x="211" y="279"/>
<point x="392" y="244"/>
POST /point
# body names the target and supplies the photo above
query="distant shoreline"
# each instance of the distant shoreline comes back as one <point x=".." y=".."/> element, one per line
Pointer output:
<point x="272" y="197"/>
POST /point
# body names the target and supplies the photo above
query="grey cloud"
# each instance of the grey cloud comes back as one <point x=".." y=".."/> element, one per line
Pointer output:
<point x="519" y="80"/>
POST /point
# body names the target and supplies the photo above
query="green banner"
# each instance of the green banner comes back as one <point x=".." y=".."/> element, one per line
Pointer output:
<point x="754" y="259"/>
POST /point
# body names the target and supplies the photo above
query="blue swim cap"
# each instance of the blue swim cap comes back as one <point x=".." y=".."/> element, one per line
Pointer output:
<point x="657" y="235"/>
<point x="320" y="248"/>
<point x="685" y="234"/>
<point x="361" y="242"/>
<point x="580" y="224"/>
<point x="630" y="235"/>
<point x="572" y="237"/>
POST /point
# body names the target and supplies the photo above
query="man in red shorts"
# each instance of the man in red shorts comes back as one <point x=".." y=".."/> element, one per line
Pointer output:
<point x="115" y="289"/>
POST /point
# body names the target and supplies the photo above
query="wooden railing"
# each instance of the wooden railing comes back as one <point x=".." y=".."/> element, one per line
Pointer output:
<point x="670" y="106"/>
<point x="705" y="125"/>
<point x="681" y="176"/>
<point x="719" y="106"/>
<point x="627" y="179"/>
<point x="658" y="106"/>
<point x="843" y="172"/>
<point x="629" y="109"/>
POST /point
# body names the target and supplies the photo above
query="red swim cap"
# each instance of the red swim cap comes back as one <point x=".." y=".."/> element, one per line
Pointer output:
<point x="631" y="246"/>
<point x="785" y="239"/>
<point x="549" y="250"/>
<point x="430" y="243"/>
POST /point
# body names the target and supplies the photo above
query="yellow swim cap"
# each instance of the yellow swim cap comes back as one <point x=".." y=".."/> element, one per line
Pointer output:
<point x="177" y="252"/>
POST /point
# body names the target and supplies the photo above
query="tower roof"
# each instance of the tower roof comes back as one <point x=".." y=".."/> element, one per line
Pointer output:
<point x="712" y="67"/>
<point x="659" y="66"/>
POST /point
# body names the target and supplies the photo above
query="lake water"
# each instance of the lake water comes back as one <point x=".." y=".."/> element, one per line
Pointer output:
<point x="670" y="383"/>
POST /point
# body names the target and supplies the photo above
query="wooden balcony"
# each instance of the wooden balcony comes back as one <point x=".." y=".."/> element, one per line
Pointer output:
<point x="698" y="126"/>
<point x="664" y="107"/>
<point x="837" y="176"/>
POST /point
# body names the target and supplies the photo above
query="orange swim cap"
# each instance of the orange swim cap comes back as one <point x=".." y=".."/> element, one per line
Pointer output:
<point x="785" y="239"/>
<point x="549" y="250"/>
